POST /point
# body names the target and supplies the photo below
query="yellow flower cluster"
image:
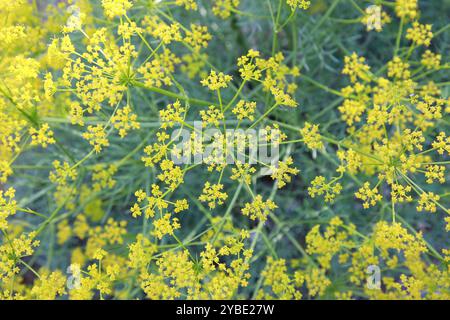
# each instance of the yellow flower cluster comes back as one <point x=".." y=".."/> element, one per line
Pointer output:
<point x="311" y="136"/>
<point x="63" y="176"/>
<point x="276" y="278"/>
<point x="158" y="71"/>
<point x="320" y="187"/>
<point x="216" y="81"/>
<point x="259" y="209"/>
<point x="171" y="175"/>
<point x="97" y="137"/>
<point x="8" y="207"/>
<point x="245" y="109"/>
<point x="282" y="173"/>
<point x="188" y="4"/>
<point x="124" y="120"/>
<point x="213" y="195"/>
<point x="431" y="60"/>
<point x="242" y="172"/>
<point x="330" y="243"/>
<point x="368" y="195"/>
<point x="272" y="72"/>
<point x="43" y="136"/>
<point x="224" y="8"/>
<point x="420" y="34"/>
<point x="428" y="202"/>
<point x="115" y="8"/>
<point x="356" y="68"/>
<point x="302" y="4"/>
<point x="220" y="226"/>
<point x="198" y="37"/>
<point x="211" y="116"/>
<point x="407" y="9"/>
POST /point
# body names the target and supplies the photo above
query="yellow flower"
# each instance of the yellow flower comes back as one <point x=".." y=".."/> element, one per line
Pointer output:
<point x="211" y="116"/>
<point x="213" y="195"/>
<point x="247" y="68"/>
<point x="428" y="201"/>
<point x="435" y="172"/>
<point x="447" y="225"/>
<point x="273" y="134"/>
<point x="102" y="177"/>
<point x="81" y="226"/>
<point x="413" y="139"/>
<point x="352" y="110"/>
<point x="245" y="109"/>
<point x="406" y="8"/>
<point x="5" y="170"/>
<point x="42" y="136"/>
<point x="76" y="114"/>
<point x="158" y="71"/>
<point x="311" y="136"/>
<point x="193" y="65"/>
<point x="171" y="175"/>
<point x="400" y="193"/>
<point x="64" y="232"/>
<point x="224" y="8"/>
<point x="374" y="18"/>
<point x="8" y="207"/>
<point x="350" y="160"/>
<point x="420" y="34"/>
<point x="275" y="275"/>
<point x="330" y="243"/>
<point x="10" y="34"/>
<point x="282" y="98"/>
<point x="442" y="143"/>
<point x="317" y="282"/>
<point x="355" y="68"/>
<point x="63" y="173"/>
<point x="126" y="30"/>
<point x="21" y="246"/>
<point x="136" y="211"/>
<point x="165" y="226"/>
<point x="156" y="152"/>
<point x="320" y="187"/>
<point x="370" y="196"/>
<point x="431" y="60"/>
<point x="181" y="205"/>
<point x="173" y="113"/>
<point x="242" y="172"/>
<point x="188" y="4"/>
<point x="24" y="68"/>
<point x="124" y="120"/>
<point x="258" y="209"/>
<point x="140" y="252"/>
<point x="140" y="195"/>
<point x="344" y="295"/>
<point x="115" y="8"/>
<point x="49" y="285"/>
<point x="216" y="81"/>
<point x="398" y="69"/>
<point x="198" y="37"/>
<point x="302" y="4"/>
<point x="97" y="137"/>
<point x="283" y="171"/>
<point x="160" y="30"/>
<point x="210" y="258"/>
